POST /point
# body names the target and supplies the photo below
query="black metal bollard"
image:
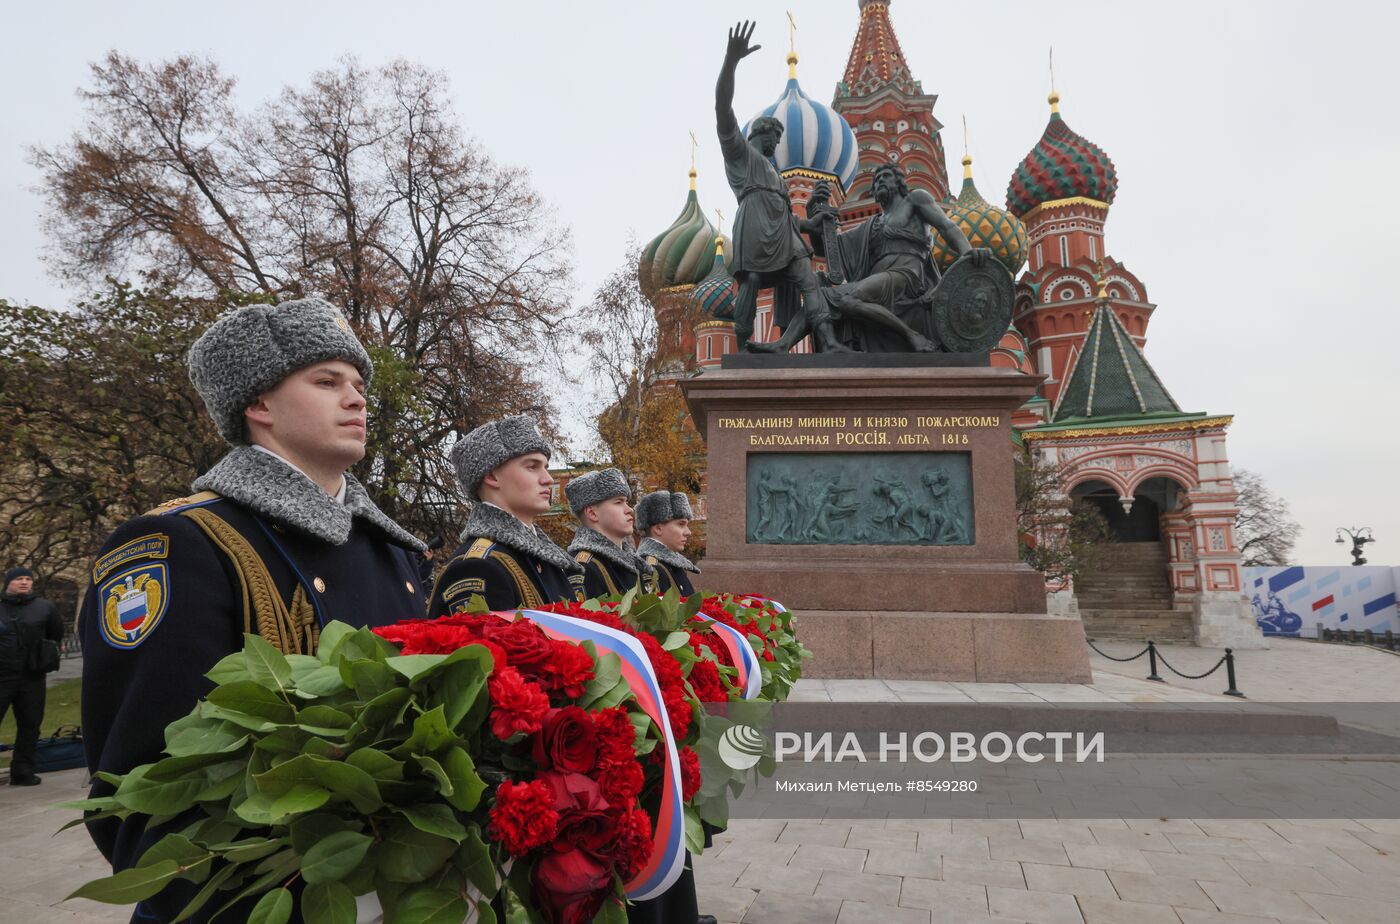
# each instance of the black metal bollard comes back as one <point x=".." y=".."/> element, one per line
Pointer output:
<point x="1230" y="674"/>
<point x="1152" y="662"/>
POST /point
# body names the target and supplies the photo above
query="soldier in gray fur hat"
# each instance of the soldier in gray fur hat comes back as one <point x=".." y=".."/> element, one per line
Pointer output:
<point x="505" y="558"/>
<point x="663" y="519"/>
<point x="601" y="502"/>
<point x="279" y="540"/>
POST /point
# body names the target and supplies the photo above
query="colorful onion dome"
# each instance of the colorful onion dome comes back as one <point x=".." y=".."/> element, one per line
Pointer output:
<point x="985" y="226"/>
<point x="714" y="295"/>
<point x="1063" y="165"/>
<point x="683" y="253"/>
<point x="814" y="137"/>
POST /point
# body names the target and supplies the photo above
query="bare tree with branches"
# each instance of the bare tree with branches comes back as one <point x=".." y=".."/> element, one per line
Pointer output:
<point x="1265" y="531"/>
<point x="358" y="187"/>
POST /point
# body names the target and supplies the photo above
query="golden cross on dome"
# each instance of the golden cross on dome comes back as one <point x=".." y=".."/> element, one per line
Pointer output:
<point x="1054" y="95"/>
<point x="693" y="145"/>
<point x="719" y="219"/>
<point x="792" y="33"/>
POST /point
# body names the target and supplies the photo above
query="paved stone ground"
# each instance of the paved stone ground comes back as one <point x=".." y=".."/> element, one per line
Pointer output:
<point x="1290" y="671"/>
<point x="942" y="871"/>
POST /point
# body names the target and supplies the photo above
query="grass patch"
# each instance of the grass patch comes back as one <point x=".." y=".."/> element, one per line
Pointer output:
<point x="62" y="706"/>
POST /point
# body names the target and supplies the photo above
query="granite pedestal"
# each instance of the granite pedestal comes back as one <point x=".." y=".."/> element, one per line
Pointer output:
<point x="954" y="604"/>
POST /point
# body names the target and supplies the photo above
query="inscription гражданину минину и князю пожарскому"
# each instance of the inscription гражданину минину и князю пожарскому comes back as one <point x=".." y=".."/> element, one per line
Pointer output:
<point x="931" y="430"/>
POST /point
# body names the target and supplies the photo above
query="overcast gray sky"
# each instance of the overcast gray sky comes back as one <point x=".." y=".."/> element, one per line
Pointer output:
<point x="1257" y="146"/>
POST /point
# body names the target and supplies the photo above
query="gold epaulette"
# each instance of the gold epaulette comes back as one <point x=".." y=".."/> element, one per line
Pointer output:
<point x="524" y="587"/>
<point x="176" y="503"/>
<point x="479" y="548"/>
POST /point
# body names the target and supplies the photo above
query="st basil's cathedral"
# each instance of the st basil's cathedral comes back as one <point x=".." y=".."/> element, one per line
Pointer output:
<point x="1103" y="416"/>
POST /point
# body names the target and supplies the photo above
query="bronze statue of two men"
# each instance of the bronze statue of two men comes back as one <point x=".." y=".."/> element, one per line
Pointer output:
<point x="886" y="302"/>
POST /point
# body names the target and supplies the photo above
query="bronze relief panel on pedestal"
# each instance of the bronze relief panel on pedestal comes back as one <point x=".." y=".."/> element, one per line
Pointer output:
<point x="859" y="498"/>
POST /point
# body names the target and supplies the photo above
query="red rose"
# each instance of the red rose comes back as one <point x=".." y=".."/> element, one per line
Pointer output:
<point x="568" y="670"/>
<point x="690" y="774"/>
<point x="633" y="845"/>
<point x="583" y="812"/>
<point x="525" y="644"/>
<point x="591" y="831"/>
<point x="566" y="741"/>
<point x="573" y="792"/>
<point x="571" y="886"/>
<point x="621" y="781"/>
<point x="523" y="817"/>
<point x="516" y="704"/>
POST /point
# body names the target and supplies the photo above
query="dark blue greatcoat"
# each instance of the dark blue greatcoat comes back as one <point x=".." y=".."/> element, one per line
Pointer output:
<point x="165" y="603"/>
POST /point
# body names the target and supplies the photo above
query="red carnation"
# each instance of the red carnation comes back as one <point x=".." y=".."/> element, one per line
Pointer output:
<point x="615" y="735"/>
<point x="566" y="741"/>
<point x="516" y="704"/>
<point x="621" y="781"/>
<point x="705" y="679"/>
<point x="690" y="774"/>
<point x="568" y="669"/>
<point x="523" y="817"/>
<point x="633" y="845"/>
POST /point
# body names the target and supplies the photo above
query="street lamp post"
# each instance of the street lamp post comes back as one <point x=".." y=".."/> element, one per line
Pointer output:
<point x="1359" y="538"/>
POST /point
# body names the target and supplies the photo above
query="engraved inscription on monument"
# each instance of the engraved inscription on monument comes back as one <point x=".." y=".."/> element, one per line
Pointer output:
<point x="860" y="498"/>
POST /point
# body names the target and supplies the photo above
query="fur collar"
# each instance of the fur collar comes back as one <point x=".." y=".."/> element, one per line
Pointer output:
<point x="587" y="539"/>
<point x="487" y="521"/>
<point x="273" y="489"/>
<point x="664" y="555"/>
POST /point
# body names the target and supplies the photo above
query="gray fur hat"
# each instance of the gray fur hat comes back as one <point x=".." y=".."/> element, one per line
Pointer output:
<point x="594" y="488"/>
<point x="249" y="350"/>
<point x="492" y="445"/>
<point x="662" y="507"/>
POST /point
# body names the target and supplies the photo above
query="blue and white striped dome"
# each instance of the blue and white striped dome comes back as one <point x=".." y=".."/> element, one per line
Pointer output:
<point x="815" y="137"/>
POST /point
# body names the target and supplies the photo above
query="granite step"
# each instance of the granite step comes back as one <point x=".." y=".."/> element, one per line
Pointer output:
<point x="1138" y="625"/>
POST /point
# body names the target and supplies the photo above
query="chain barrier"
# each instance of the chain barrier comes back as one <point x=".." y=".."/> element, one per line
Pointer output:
<point x="1111" y="657"/>
<point x="1153" y="655"/>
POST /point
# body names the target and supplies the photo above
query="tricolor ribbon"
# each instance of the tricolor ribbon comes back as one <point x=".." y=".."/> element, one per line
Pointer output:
<point x="668" y="833"/>
<point x="742" y="654"/>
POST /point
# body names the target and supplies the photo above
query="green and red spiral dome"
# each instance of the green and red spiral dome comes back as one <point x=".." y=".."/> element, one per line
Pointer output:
<point x="1062" y="165"/>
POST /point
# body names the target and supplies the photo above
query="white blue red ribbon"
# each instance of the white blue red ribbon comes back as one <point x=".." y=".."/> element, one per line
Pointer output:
<point x="742" y="654"/>
<point x="668" y="831"/>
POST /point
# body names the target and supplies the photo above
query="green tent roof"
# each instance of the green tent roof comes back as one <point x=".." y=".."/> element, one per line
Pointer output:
<point x="1111" y="378"/>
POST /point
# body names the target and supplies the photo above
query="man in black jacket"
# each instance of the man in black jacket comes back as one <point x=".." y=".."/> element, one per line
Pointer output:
<point x="503" y="467"/>
<point x="26" y="619"/>
<point x="601" y="501"/>
<point x="663" y="519"/>
<point x="280" y="540"/>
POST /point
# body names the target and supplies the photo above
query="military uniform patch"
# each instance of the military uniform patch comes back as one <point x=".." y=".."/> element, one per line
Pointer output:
<point x="463" y="588"/>
<point x="576" y="583"/>
<point x="154" y="546"/>
<point x="133" y="603"/>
